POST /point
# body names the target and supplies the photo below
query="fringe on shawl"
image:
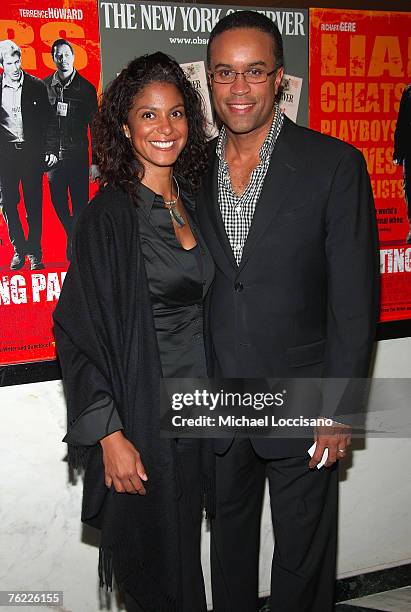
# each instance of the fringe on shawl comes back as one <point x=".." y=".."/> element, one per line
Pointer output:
<point x="138" y="579"/>
<point x="77" y="456"/>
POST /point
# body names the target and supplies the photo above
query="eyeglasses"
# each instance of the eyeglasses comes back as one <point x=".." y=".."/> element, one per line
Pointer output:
<point x="254" y="75"/>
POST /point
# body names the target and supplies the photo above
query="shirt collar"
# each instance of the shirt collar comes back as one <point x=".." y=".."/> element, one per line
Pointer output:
<point x="146" y="199"/>
<point x="56" y="79"/>
<point x="13" y="84"/>
<point x="268" y="145"/>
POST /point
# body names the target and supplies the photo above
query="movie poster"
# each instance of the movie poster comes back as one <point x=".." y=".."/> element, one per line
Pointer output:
<point x="360" y="75"/>
<point x="47" y="103"/>
<point x="129" y="29"/>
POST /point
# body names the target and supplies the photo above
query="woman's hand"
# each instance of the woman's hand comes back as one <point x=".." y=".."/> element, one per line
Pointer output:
<point x="122" y="464"/>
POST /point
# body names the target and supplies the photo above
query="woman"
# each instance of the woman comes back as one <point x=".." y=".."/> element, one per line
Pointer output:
<point x="131" y="312"/>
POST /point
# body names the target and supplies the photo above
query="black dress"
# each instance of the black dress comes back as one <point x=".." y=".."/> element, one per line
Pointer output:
<point x="178" y="281"/>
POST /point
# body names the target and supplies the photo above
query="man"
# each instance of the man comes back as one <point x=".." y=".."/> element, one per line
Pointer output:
<point x="402" y="148"/>
<point x="288" y="216"/>
<point x="74" y="100"/>
<point x="28" y="146"/>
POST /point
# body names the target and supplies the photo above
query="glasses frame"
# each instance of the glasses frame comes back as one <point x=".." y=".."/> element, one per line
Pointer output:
<point x="245" y="78"/>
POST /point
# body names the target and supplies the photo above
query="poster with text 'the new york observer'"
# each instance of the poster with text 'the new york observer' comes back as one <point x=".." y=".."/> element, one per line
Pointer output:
<point x="131" y="29"/>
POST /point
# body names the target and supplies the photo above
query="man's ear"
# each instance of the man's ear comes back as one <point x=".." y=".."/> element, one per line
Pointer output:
<point x="278" y="79"/>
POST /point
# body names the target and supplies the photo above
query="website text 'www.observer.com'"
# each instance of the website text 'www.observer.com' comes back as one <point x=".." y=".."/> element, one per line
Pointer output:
<point x="188" y="41"/>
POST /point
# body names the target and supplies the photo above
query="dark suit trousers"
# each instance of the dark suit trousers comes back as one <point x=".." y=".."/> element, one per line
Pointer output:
<point x="304" y="515"/>
<point x="70" y="175"/>
<point x="21" y="166"/>
<point x="407" y="184"/>
<point x="190" y="518"/>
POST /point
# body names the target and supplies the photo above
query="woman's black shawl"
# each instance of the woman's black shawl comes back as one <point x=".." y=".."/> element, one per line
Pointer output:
<point x="109" y="354"/>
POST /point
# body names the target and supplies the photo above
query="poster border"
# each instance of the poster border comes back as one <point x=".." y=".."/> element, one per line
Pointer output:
<point x="43" y="371"/>
<point x="47" y="370"/>
<point x="29" y="372"/>
<point x="386" y="328"/>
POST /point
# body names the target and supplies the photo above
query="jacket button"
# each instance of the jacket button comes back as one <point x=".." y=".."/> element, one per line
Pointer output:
<point x="238" y="287"/>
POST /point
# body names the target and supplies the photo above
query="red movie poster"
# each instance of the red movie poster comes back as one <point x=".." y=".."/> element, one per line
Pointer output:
<point x="360" y="72"/>
<point x="50" y="76"/>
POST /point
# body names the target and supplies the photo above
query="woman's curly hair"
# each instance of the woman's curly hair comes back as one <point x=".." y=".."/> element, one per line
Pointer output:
<point x="117" y="163"/>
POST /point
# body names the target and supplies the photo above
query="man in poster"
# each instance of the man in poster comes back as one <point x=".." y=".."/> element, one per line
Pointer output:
<point x="402" y="148"/>
<point x="28" y="146"/>
<point x="74" y="100"/>
<point x="289" y="218"/>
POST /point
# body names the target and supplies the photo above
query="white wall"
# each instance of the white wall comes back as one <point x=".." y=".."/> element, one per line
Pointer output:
<point x="42" y="543"/>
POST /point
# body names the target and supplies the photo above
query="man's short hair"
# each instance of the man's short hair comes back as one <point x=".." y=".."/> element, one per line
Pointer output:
<point x="8" y="47"/>
<point x="252" y="20"/>
<point x="58" y="43"/>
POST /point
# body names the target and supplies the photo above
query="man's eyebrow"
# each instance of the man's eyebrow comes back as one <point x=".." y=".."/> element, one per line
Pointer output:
<point x="258" y="63"/>
<point x="250" y="65"/>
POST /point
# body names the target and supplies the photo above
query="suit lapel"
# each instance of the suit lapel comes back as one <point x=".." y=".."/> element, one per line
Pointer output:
<point x="26" y="109"/>
<point x="211" y="209"/>
<point x="26" y="97"/>
<point x="279" y="181"/>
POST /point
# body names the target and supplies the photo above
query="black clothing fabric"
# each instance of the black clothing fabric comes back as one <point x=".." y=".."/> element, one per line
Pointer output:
<point x="402" y="135"/>
<point x="39" y="126"/>
<point x="178" y="281"/>
<point x="81" y="97"/>
<point x="18" y="167"/>
<point x="110" y="356"/>
<point x="24" y="163"/>
<point x="71" y="174"/>
<point x="406" y="168"/>
<point x="291" y="309"/>
<point x="176" y="286"/>
<point x="402" y="143"/>
<point x="303" y="303"/>
<point x="190" y="518"/>
<point x="304" y="506"/>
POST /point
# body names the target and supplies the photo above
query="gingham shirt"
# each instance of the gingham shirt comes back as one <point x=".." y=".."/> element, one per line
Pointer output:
<point x="238" y="211"/>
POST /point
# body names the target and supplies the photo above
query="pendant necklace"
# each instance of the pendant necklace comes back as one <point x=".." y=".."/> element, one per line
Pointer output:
<point x="172" y="207"/>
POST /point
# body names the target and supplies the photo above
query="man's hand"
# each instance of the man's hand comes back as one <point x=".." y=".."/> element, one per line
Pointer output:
<point x="122" y="464"/>
<point x="336" y="437"/>
<point x="51" y="160"/>
<point x="94" y="172"/>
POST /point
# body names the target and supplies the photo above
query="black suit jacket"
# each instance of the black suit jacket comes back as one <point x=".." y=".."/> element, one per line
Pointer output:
<point x="81" y="97"/>
<point x="402" y="136"/>
<point x="304" y="301"/>
<point x="39" y="125"/>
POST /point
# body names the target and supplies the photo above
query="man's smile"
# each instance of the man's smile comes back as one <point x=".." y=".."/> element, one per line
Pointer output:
<point x="240" y="107"/>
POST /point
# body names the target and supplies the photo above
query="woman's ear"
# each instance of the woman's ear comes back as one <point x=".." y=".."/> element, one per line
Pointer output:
<point x="126" y="131"/>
